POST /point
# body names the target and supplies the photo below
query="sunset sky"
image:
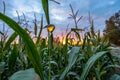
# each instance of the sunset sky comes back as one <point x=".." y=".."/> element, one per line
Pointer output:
<point x="100" y="11"/>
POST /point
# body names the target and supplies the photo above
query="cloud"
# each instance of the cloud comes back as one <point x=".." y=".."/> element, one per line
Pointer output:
<point x="24" y="6"/>
<point x="112" y="2"/>
<point x="100" y="10"/>
<point x="76" y="3"/>
<point x="58" y="14"/>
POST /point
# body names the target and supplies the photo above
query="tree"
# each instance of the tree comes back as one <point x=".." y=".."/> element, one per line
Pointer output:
<point x="112" y="29"/>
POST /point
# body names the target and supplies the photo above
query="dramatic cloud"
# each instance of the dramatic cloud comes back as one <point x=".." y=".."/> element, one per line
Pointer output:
<point x="100" y="11"/>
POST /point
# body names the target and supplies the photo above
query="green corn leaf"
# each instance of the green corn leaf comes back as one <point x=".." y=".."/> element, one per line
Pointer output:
<point x="98" y="37"/>
<point x="11" y="39"/>
<point x="111" y="66"/>
<point x="28" y="74"/>
<point x="74" y="74"/>
<point x="102" y="73"/>
<point x="115" y="77"/>
<point x="71" y="61"/>
<point x="33" y="54"/>
<point x="90" y="63"/>
<point x="92" y="31"/>
<point x="2" y="67"/>
<point x="89" y="50"/>
<point x="97" y="73"/>
<point x="110" y="56"/>
<point x="13" y="57"/>
<point x="35" y="28"/>
<point x="41" y="27"/>
<point x="45" y="5"/>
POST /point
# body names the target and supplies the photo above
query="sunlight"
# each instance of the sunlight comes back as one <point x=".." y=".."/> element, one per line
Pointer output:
<point x="64" y="42"/>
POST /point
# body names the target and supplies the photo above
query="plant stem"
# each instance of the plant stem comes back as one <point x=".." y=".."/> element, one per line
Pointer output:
<point x="50" y="46"/>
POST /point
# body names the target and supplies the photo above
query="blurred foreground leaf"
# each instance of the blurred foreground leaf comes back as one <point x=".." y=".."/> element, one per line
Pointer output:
<point x="28" y="74"/>
<point x="32" y="52"/>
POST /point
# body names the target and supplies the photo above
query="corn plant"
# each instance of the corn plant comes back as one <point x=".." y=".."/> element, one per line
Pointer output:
<point x="31" y="49"/>
<point x="74" y="17"/>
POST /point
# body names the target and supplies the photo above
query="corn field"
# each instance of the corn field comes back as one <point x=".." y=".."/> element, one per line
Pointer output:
<point x="81" y="58"/>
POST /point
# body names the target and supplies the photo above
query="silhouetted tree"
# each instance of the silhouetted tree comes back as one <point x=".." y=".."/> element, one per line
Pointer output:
<point x="112" y="29"/>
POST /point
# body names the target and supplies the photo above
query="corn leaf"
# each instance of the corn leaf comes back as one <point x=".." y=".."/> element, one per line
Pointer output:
<point x="112" y="66"/>
<point x="45" y="5"/>
<point x="41" y="27"/>
<point x="33" y="54"/>
<point x="115" y="77"/>
<point x="90" y="63"/>
<point x="35" y="28"/>
<point x="71" y="61"/>
<point x="11" y="39"/>
<point x="28" y="74"/>
<point x="13" y="57"/>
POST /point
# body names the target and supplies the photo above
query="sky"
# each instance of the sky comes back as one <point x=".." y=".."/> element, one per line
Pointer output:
<point x="100" y="11"/>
